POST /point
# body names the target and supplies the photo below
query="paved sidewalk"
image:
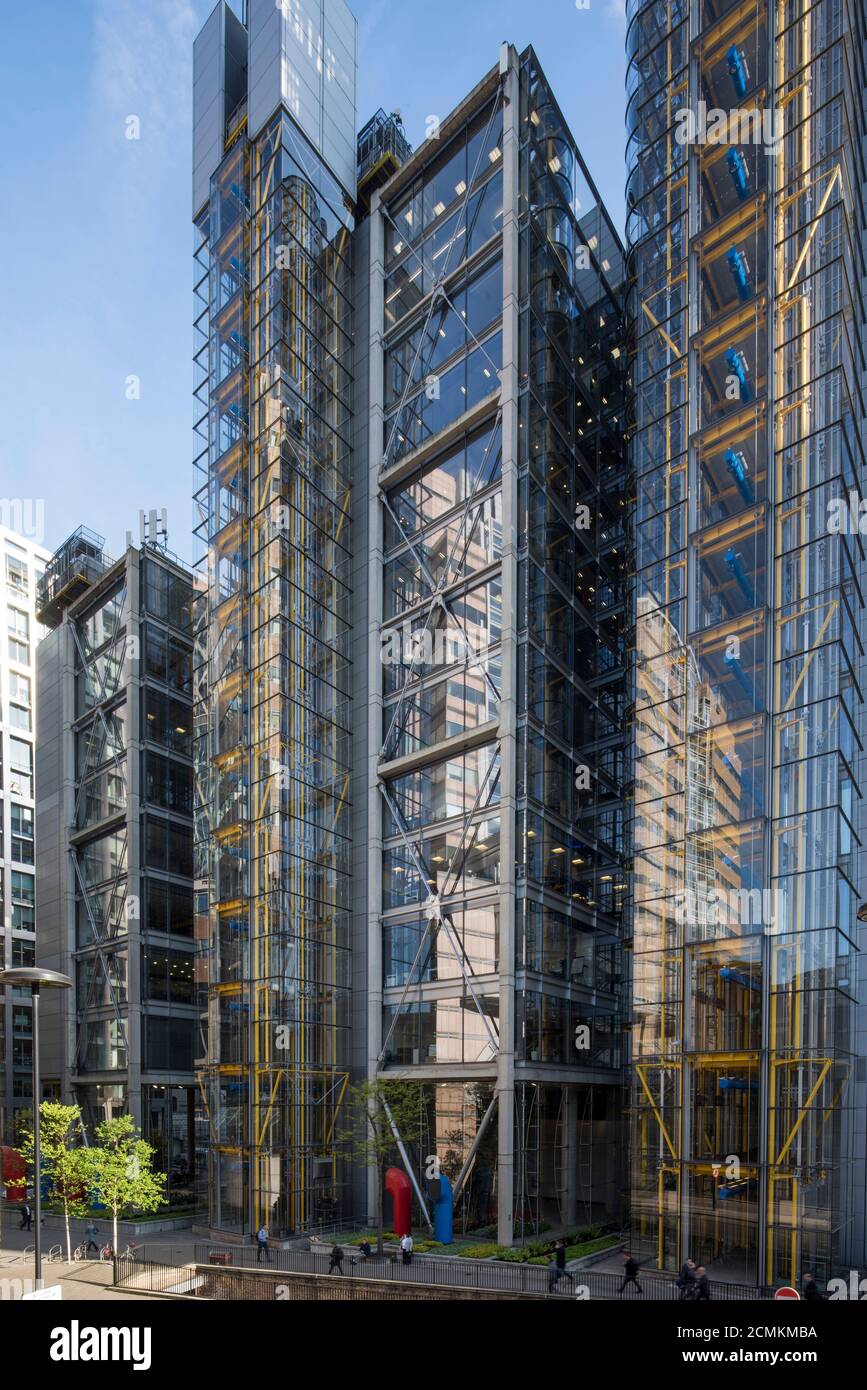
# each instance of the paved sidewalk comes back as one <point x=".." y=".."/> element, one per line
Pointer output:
<point x="13" y="1240"/>
<point x="81" y="1280"/>
<point x="78" y="1282"/>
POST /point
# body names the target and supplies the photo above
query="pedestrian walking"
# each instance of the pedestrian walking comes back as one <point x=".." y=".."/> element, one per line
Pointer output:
<point x="686" y="1279"/>
<point x="630" y="1272"/>
<point x="26" y="1217"/>
<point x="262" y="1245"/>
<point x="558" y="1268"/>
<point x="90" y="1232"/>
<point x="812" y="1292"/>
<point x="702" y="1285"/>
<point x="336" y="1260"/>
<point x="406" y="1249"/>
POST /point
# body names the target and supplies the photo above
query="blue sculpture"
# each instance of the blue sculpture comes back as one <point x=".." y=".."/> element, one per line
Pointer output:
<point x="441" y="1191"/>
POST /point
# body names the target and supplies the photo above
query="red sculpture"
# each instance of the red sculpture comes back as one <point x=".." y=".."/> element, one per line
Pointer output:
<point x="398" y="1185"/>
<point x="11" y="1167"/>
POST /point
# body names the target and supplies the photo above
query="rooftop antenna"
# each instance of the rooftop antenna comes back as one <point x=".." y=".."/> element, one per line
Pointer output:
<point x="153" y="529"/>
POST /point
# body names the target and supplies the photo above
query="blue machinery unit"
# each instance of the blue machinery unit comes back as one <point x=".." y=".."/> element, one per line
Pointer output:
<point x="740" y="73"/>
<point x="737" y="365"/>
<point x="736" y="565"/>
<point x="739" y="170"/>
<point x="737" y="466"/>
<point x="740" y="269"/>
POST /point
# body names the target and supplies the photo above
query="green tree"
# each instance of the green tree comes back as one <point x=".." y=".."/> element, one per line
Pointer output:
<point x="120" y="1167"/>
<point x="62" y="1159"/>
<point x="369" y="1138"/>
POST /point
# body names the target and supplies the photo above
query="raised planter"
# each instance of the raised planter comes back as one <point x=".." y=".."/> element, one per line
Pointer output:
<point x="585" y="1261"/>
<point x="53" y="1221"/>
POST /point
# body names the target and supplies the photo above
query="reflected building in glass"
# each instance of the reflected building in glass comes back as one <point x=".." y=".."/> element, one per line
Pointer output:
<point x="273" y="192"/>
<point x="746" y="238"/>
<point x="490" y="612"/>
<point x="410" y="747"/>
<point x="114" y="885"/>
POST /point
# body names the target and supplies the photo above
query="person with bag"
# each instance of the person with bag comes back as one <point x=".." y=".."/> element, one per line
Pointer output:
<point x="406" y="1249"/>
<point x="686" y="1279"/>
<point x="262" y="1245"/>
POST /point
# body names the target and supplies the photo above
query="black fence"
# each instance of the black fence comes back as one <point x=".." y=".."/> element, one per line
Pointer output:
<point x="499" y="1276"/>
<point x="226" y="1282"/>
<point x="155" y="1275"/>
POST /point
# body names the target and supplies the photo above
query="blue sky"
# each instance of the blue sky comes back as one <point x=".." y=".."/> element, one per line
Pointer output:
<point x="95" y="236"/>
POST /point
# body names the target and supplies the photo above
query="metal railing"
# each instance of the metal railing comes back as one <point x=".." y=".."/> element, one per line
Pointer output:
<point x="155" y="1276"/>
<point x="213" y="1283"/>
<point x="382" y="135"/>
<point x="501" y="1276"/>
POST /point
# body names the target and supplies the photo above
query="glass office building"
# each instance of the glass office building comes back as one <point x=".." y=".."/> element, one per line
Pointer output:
<point x="495" y="495"/>
<point x="746" y="235"/>
<point x="114" y="885"/>
<point x="274" y="180"/>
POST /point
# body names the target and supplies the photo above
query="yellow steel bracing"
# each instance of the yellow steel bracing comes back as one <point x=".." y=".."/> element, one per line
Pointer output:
<point x="826" y="1065"/>
<point x="669" y="341"/>
<point x="808" y="183"/>
<point x="793" y="1032"/>
<point x="640" y="1072"/>
<point x="741" y="20"/>
<point x="814" y="226"/>
<point x="280" y="764"/>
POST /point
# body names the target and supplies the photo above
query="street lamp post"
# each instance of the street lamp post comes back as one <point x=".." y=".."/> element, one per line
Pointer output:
<point x="37" y="979"/>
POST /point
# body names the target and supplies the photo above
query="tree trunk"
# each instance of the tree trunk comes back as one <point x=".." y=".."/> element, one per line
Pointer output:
<point x="114" y="1230"/>
<point x="380" y="1214"/>
<point x="68" y="1232"/>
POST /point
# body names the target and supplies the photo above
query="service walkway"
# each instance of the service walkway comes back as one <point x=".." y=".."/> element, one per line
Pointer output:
<point x="488" y="1277"/>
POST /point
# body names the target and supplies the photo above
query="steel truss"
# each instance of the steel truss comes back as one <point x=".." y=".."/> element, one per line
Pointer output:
<point x="439" y="604"/>
<point x="97" y="668"/>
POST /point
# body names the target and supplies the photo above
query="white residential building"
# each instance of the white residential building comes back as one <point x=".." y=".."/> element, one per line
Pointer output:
<point x="21" y="564"/>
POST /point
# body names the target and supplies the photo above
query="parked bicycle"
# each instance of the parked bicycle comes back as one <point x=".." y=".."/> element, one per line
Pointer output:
<point x="108" y="1253"/>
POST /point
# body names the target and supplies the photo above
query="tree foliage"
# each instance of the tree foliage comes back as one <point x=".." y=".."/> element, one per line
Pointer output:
<point x="120" y="1167"/>
<point x="61" y="1159"/>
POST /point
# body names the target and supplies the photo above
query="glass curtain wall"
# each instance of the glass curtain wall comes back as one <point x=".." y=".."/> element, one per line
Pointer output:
<point x="100" y="852"/>
<point x="272" y="680"/>
<point x="747" y="324"/>
<point x="442" y="662"/>
<point x="571" y="673"/>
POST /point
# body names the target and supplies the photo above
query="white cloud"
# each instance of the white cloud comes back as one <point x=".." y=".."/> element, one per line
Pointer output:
<point x="143" y="56"/>
<point x="142" y="68"/>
